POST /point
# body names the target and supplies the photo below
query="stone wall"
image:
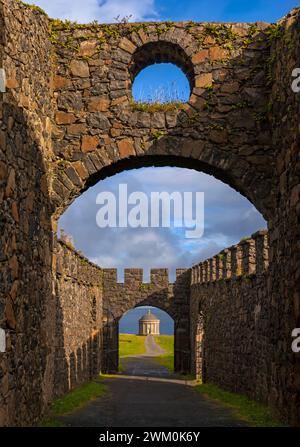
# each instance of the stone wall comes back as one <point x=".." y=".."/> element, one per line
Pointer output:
<point x="26" y="300"/>
<point x="233" y="322"/>
<point x="284" y="281"/>
<point x="173" y="298"/>
<point x="222" y="129"/>
<point x="230" y="318"/>
<point x="78" y="337"/>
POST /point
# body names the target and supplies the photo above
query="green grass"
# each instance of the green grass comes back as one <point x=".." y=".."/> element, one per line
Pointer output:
<point x="130" y="344"/>
<point x="73" y="401"/>
<point x="166" y="342"/>
<point x="152" y="107"/>
<point x="51" y="423"/>
<point x="165" y="360"/>
<point x="242" y="407"/>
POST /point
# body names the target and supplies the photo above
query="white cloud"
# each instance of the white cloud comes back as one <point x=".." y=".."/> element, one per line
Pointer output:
<point x="228" y="218"/>
<point x="101" y="10"/>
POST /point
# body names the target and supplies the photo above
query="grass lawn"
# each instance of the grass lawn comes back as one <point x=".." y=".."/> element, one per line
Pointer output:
<point x="242" y="407"/>
<point x="130" y="344"/>
<point x="166" y="342"/>
<point x="73" y="401"/>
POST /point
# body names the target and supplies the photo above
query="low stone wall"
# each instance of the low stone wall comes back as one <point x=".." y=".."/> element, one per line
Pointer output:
<point x="173" y="298"/>
<point x="78" y="338"/>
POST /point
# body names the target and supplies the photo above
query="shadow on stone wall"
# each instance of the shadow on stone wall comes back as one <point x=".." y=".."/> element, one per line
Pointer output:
<point x="78" y="319"/>
<point x="27" y="311"/>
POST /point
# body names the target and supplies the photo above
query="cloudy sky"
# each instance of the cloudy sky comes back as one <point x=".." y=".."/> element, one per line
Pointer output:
<point x="228" y="215"/>
<point x="227" y="218"/>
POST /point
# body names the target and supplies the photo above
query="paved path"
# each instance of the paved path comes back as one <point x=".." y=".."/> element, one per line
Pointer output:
<point x="150" y="402"/>
<point x="152" y="348"/>
<point x="131" y="402"/>
<point x="145" y="365"/>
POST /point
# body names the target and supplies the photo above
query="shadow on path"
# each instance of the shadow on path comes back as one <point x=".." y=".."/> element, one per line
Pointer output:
<point x="154" y="399"/>
<point x="132" y="402"/>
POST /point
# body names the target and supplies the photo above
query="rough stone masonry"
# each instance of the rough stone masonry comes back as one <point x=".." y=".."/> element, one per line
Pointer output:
<point x="68" y="120"/>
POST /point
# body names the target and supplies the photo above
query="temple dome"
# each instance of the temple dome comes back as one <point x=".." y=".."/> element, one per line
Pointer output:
<point x="149" y="317"/>
<point x="149" y="324"/>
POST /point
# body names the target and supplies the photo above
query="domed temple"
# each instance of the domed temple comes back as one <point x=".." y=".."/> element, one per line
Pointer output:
<point x="149" y="324"/>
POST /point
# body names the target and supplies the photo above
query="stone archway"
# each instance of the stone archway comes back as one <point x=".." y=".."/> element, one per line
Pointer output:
<point x="146" y="322"/>
<point x="222" y="129"/>
<point x="173" y="298"/>
<point x="68" y="119"/>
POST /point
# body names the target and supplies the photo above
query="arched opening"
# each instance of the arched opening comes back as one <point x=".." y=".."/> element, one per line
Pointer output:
<point x="162" y="77"/>
<point x="138" y="249"/>
<point x="162" y="52"/>
<point x="146" y="342"/>
<point x="161" y="83"/>
<point x="211" y="165"/>
<point x="228" y="218"/>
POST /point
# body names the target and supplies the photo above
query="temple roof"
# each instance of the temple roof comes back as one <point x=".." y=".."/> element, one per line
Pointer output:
<point x="149" y="317"/>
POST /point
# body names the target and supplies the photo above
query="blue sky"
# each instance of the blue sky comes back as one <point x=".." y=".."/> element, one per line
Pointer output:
<point x="225" y="10"/>
<point x="198" y="10"/>
<point x="128" y="324"/>
<point x="162" y="82"/>
<point x="228" y="215"/>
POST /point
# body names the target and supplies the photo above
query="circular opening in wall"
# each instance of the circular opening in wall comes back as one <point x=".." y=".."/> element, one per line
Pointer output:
<point x="161" y="73"/>
<point x="161" y="83"/>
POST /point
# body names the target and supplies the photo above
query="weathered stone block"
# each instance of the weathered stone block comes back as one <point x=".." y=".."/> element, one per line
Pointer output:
<point x="203" y="80"/>
<point x="88" y="48"/>
<point x="217" y="53"/>
<point x="76" y="129"/>
<point x="200" y="56"/>
<point x="60" y="82"/>
<point x="89" y="143"/>
<point x="80" y="69"/>
<point x="64" y="118"/>
<point x="98" y="104"/>
<point x="98" y="120"/>
<point x="126" y="148"/>
<point x="127" y="45"/>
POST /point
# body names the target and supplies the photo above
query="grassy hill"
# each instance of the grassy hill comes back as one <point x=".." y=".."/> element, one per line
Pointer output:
<point x="167" y="343"/>
<point x="130" y="344"/>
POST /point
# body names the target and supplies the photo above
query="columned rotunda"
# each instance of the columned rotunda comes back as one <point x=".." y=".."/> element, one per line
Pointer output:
<point x="149" y="324"/>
